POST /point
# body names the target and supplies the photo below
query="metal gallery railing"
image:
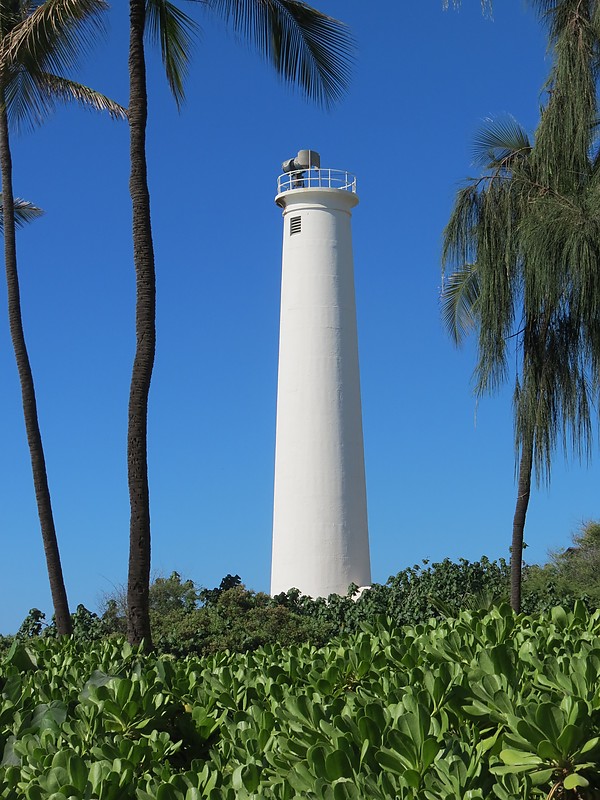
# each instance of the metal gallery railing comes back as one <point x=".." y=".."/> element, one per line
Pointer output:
<point x="316" y="179"/>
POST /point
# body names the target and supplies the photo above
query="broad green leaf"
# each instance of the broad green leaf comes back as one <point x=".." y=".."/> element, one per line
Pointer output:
<point x="35" y="793"/>
<point x="346" y="789"/>
<point x="369" y="730"/>
<point x="413" y="778"/>
<point x="363" y="750"/>
<point x="236" y="778"/>
<point x="78" y="772"/>
<point x="580" y="611"/>
<point x="97" y="678"/>
<point x="547" y="751"/>
<point x="337" y="765"/>
<point x="390" y="760"/>
<point x="9" y="757"/>
<point x="402" y="744"/>
<point x="316" y="758"/>
<point x="519" y="758"/>
<point x="251" y="777"/>
<point x="301" y="778"/>
<point x="166" y="792"/>
<point x="574" y="780"/>
<point x="569" y="738"/>
<point x="21" y="657"/>
<point x="301" y="707"/>
<point x="123" y="689"/>
<point x="541" y="777"/>
<point x="559" y="617"/>
<point x="590" y="745"/>
<point x="430" y="750"/>
<point x="49" y="716"/>
<point x="550" y="720"/>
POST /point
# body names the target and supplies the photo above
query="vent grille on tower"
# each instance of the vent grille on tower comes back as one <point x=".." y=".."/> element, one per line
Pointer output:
<point x="295" y="225"/>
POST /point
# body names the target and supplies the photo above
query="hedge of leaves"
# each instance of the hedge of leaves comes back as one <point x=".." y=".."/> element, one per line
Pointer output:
<point x="488" y="705"/>
<point x="187" y="620"/>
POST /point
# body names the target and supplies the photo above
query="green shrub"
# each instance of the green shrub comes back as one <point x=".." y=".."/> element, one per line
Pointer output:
<point x="413" y="596"/>
<point x="188" y="620"/>
<point x="485" y="706"/>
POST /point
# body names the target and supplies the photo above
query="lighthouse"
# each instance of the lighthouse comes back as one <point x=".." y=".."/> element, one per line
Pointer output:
<point x="320" y="529"/>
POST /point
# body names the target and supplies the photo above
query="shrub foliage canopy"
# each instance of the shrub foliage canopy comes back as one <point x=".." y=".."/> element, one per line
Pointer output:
<point x="485" y="705"/>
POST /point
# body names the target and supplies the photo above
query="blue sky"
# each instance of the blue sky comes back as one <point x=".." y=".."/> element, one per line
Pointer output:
<point x="440" y="470"/>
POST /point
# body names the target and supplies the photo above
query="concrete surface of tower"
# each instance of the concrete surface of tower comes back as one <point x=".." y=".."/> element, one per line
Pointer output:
<point x="320" y="530"/>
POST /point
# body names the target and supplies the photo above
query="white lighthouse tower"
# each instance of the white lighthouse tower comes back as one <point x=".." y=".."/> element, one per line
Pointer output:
<point x="320" y="531"/>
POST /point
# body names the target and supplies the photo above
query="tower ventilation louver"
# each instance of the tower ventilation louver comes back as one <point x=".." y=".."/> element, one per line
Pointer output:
<point x="295" y="225"/>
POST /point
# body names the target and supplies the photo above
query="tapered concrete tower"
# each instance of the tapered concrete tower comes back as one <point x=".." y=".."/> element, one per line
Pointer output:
<point x="320" y="532"/>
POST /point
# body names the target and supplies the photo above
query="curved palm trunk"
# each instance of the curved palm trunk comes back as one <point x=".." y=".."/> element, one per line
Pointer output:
<point x="138" y="615"/>
<point x="34" y="438"/>
<point x="516" y="550"/>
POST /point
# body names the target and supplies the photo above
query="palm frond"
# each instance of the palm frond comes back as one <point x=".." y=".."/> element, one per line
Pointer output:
<point x="168" y="26"/>
<point x="26" y="105"/>
<point x="307" y="48"/>
<point x="459" y="300"/>
<point x="66" y="90"/>
<point x="486" y="5"/>
<point x="24" y="212"/>
<point x="499" y="143"/>
<point x="11" y="15"/>
<point x="54" y="36"/>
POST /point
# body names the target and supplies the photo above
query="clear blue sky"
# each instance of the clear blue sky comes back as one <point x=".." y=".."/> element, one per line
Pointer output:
<point x="439" y="470"/>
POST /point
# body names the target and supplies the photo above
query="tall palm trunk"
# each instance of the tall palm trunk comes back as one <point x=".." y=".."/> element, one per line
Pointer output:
<point x="138" y="616"/>
<point x="34" y="438"/>
<point x="516" y="550"/>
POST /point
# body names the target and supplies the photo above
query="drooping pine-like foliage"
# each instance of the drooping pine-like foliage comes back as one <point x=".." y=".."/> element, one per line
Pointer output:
<point x="530" y="229"/>
<point x="486" y="5"/>
<point x="524" y="242"/>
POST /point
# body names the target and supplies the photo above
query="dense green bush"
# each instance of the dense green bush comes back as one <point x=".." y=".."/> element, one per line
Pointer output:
<point x="412" y="596"/>
<point x="187" y="620"/>
<point x="571" y="573"/>
<point x="239" y="620"/>
<point x="5" y="643"/>
<point x="487" y="705"/>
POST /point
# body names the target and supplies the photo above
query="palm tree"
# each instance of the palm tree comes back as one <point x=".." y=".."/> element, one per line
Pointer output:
<point x="37" y="42"/>
<point x="24" y="212"/>
<point x="525" y="239"/>
<point x="306" y="48"/>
